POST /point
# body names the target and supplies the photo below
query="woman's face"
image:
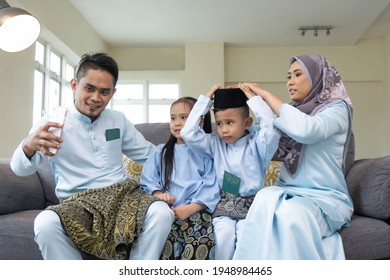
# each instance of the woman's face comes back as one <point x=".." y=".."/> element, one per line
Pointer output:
<point x="298" y="84"/>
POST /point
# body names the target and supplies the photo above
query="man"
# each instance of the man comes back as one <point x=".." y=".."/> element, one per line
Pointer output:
<point x="101" y="211"/>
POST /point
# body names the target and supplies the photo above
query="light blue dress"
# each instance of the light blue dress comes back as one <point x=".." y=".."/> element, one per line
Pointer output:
<point x="300" y="216"/>
<point x="193" y="178"/>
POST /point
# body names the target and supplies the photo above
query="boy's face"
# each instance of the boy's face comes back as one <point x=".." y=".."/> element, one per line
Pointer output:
<point x="231" y="124"/>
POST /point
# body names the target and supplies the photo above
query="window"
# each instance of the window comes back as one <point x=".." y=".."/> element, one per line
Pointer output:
<point x="52" y="78"/>
<point x="140" y="101"/>
<point x="145" y="101"/>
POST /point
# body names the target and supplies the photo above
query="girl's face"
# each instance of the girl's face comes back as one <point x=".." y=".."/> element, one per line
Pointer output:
<point x="179" y="115"/>
<point x="298" y="83"/>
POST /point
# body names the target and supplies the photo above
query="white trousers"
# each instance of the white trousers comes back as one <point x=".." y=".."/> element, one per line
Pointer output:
<point x="226" y="230"/>
<point x="55" y="244"/>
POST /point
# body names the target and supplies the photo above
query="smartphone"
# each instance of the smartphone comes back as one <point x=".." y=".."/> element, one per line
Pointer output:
<point x="57" y="115"/>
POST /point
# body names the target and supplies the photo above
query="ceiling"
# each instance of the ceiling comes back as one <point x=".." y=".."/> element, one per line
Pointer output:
<point x="267" y="23"/>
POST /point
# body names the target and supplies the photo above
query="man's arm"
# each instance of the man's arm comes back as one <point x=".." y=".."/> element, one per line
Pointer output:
<point x="135" y="146"/>
<point x="28" y="155"/>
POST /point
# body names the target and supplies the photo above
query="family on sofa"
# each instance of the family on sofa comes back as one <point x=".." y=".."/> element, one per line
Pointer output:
<point x="201" y="194"/>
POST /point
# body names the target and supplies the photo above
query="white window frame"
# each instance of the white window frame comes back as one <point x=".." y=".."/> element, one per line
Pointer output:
<point x="145" y="101"/>
<point x="44" y="69"/>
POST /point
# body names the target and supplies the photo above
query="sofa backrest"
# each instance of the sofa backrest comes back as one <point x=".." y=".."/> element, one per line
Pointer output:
<point x="369" y="186"/>
<point x="157" y="133"/>
<point x="47" y="181"/>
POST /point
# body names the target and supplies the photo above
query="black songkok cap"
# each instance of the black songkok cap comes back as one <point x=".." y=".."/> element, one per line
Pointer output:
<point x="229" y="98"/>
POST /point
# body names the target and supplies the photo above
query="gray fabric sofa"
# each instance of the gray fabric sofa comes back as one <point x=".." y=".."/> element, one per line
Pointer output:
<point x="368" y="237"/>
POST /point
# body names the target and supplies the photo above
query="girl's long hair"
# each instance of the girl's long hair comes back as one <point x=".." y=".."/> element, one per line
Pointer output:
<point x="167" y="153"/>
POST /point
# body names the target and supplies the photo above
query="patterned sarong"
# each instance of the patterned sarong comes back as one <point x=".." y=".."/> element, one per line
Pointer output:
<point x="192" y="239"/>
<point x="233" y="205"/>
<point x="105" y="221"/>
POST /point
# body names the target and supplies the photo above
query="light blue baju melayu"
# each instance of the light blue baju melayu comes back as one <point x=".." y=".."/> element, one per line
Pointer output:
<point x="300" y="216"/>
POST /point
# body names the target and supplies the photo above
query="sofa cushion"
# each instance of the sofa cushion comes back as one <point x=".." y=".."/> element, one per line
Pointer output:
<point x="369" y="186"/>
<point x="133" y="170"/>
<point x="17" y="236"/>
<point x="272" y="173"/>
<point x="366" y="238"/>
<point x="19" y="193"/>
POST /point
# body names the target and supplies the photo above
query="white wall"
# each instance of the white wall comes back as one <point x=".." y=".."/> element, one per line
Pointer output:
<point x="16" y="95"/>
<point x="365" y="69"/>
<point x="362" y="68"/>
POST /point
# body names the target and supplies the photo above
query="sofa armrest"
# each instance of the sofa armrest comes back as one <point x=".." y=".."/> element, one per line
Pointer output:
<point x="369" y="186"/>
<point x="19" y="193"/>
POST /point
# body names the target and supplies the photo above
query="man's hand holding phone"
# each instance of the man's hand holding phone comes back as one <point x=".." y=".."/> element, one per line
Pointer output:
<point x="47" y="138"/>
<point x="57" y="116"/>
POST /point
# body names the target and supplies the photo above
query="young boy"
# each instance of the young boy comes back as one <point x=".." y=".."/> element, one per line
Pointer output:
<point x="240" y="157"/>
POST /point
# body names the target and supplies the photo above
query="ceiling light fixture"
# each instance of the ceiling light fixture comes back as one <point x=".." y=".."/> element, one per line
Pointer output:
<point x="315" y="29"/>
<point x="18" y="28"/>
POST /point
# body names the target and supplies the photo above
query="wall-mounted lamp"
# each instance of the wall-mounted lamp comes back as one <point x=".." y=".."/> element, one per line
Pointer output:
<point x="18" y="28"/>
<point x="315" y="29"/>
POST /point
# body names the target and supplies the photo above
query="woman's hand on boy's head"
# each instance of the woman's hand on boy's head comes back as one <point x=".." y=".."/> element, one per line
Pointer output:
<point x="247" y="89"/>
<point x="211" y="92"/>
<point x="256" y="89"/>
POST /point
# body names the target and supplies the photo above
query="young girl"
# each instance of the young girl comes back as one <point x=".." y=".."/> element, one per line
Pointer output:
<point x="187" y="182"/>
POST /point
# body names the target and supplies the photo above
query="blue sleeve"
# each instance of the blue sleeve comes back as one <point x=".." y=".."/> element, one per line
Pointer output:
<point x="307" y="129"/>
<point x="267" y="139"/>
<point x="150" y="179"/>
<point x="194" y="137"/>
<point x="208" y="193"/>
<point x="135" y="146"/>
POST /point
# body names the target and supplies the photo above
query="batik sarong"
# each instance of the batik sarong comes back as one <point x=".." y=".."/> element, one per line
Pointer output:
<point x="192" y="239"/>
<point x="104" y="222"/>
<point x="234" y="206"/>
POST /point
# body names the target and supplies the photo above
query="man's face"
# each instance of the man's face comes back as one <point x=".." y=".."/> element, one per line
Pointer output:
<point x="93" y="92"/>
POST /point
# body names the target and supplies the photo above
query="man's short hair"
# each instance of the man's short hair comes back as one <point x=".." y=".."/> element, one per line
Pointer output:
<point x="97" y="61"/>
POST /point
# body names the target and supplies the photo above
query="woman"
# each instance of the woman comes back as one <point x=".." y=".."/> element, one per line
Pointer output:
<point x="300" y="216"/>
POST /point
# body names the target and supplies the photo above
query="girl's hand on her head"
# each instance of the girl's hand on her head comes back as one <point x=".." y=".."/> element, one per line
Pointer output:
<point x="211" y="92"/>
